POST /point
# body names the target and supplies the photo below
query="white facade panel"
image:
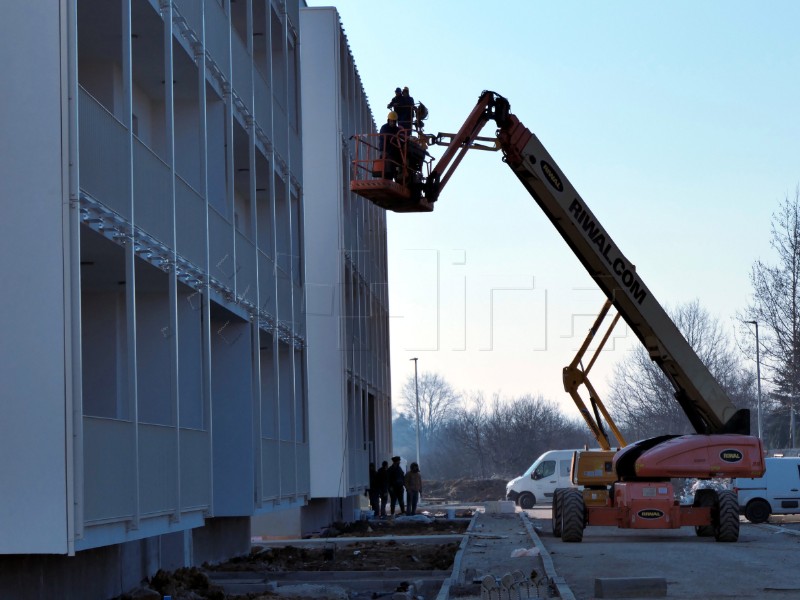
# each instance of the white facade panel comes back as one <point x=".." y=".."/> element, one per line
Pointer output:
<point x="322" y="147"/>
<point x="345" y="247"/>
<point x="33" y="501"/>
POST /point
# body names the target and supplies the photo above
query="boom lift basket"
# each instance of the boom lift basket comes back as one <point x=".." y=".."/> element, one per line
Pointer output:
<point x="392" y="179"/>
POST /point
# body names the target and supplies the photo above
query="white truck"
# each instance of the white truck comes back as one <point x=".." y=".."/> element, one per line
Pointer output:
<point x="540" y="480"/>
<point x="776" y="493"/>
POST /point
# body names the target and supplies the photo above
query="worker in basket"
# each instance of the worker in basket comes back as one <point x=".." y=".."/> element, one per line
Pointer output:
<point x="403" y="103"/>
<point x="389" y="147"/>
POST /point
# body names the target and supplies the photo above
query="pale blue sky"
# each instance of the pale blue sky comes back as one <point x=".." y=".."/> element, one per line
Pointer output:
<point x="676" y="121"/>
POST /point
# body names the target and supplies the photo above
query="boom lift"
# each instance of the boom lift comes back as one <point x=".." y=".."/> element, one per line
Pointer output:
<point x="629" y="488"/>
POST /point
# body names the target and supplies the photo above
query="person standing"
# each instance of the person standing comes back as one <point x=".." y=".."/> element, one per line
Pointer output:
<point x="404" y="107"/>
<point x="389" y="147"/>
<point x="396" y="485"/>
<point x="372" y="491"/>
<point x="394" y="102"/>
<point x="383" y="487"/>
<point x="414" y="487"/>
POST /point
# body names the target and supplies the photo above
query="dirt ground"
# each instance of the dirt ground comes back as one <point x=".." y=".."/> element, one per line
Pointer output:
<point x="194" y="584"/>
<point x="356" y="556"/>
<point x="465" y="490"/>
<point x="381" y="528"/>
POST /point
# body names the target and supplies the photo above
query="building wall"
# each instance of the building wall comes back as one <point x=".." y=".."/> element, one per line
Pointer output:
<point x="33" y="382"/>
<point x="324" y="269"/>
<point x="154" y="356"/>
<point x="348" y="339"/>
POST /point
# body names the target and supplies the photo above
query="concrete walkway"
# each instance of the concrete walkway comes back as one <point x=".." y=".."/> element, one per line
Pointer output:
<point x="487" y="549"/>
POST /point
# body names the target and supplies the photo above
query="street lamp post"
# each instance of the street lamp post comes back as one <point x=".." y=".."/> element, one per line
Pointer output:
<point x="416" y="394"/>
<point x="758" y="377"/>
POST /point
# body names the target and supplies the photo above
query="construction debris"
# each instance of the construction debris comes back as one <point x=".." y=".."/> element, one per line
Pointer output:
<point x="511" y="586"/>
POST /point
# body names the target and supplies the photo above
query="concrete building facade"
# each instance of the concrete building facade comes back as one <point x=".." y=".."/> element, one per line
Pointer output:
<point x="154" y="358"/>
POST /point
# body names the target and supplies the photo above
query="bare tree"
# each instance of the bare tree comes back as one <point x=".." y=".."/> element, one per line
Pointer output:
<point x="776" y="307"/>
<point x="499" y="438"/>
<point x="520" y="429"/>
<point x="458" y="449"/>
<point x="642" y="399"/>
<point x="467" y="434"/>
<point x="437" y="402"/>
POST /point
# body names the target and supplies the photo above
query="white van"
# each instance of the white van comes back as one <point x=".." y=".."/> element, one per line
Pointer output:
<point x="537" y="484"/>
<point x="776" y="493"/>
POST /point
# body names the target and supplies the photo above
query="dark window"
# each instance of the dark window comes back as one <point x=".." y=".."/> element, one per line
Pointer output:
<point x="545" y="469"/>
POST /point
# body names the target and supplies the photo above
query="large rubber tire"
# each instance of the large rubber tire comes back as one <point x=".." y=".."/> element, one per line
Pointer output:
<point x="708" y="498"/>
<point x="726" y="517"/>
<point x="704" y="530"/>
<point x="757" y="511"/>
<point x="526" y="500"/>
<point x="558" y="505"/>
<point x="573" y="515"/>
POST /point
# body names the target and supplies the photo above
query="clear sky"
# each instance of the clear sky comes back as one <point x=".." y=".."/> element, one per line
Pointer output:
<point x="678" y="123"/>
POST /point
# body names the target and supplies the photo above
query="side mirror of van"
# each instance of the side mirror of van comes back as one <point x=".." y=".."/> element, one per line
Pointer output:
<point x="535" y="476"/>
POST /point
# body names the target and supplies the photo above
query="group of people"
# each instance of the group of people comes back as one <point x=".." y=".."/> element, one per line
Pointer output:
<point x="403" y="106"/>
<point x="403" y="114"/>
<point x="392" y="483"/>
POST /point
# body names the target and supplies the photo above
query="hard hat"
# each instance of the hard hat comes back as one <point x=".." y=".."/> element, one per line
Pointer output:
<point x="392" y="116"/>
<point x="397" y="90"/>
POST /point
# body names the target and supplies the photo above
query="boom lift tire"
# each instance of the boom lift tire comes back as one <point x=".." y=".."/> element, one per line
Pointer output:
<point x="726" y="517"/>
<point x="558" y="505"/>
<point x="705" y="497"/>
<point x="526" y="500"/>
<point x="573" y="515"/>
<point x="757" y="511"/>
